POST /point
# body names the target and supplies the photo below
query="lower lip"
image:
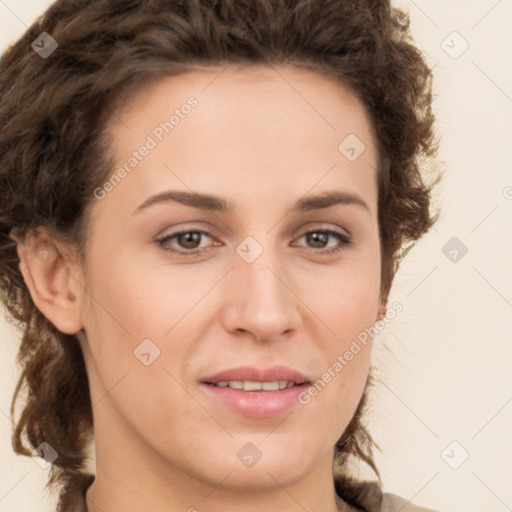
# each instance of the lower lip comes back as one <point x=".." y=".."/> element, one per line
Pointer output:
<point x="257" y="404"/>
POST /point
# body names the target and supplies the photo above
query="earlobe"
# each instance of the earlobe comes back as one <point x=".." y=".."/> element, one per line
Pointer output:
<point x="47" y="274"/>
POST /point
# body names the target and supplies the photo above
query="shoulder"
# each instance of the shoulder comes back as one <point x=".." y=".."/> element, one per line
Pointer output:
<point x="368" y="496"/>
<point x="393" y="503"/>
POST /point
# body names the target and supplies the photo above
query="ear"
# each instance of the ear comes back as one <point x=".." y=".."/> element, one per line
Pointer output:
<point x="52" y="279"/>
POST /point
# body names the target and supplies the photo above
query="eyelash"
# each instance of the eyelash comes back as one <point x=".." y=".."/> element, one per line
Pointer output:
<point x="345" y="241"/>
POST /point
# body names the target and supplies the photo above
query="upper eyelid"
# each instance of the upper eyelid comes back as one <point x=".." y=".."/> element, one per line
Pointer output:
<point x="210" y="230"/>
<point x="338" y="229"/>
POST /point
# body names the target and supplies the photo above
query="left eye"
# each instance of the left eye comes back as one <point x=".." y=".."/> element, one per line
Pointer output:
<point x="321" y="236"/>
<point x="191" y="240"/>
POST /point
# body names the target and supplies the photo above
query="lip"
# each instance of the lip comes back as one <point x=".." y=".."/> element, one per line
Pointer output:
<point x="256" y="404"/>
<point x="258" y="375"/>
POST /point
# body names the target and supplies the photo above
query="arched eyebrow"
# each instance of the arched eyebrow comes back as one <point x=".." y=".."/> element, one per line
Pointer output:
<point x="327" y="199"/>
<point x="193" y="199"/>
<point x="218" y="204"/>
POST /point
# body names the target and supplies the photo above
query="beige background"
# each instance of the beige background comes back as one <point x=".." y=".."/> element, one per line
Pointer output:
<point x="447" y="376"/>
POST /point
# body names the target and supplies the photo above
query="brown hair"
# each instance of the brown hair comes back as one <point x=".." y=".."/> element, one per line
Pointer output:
<point x="54" y="153"/>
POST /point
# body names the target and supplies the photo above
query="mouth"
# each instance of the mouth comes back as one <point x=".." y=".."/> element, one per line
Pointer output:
<point x="256" y="393"/>
<point x="251" y="385"/>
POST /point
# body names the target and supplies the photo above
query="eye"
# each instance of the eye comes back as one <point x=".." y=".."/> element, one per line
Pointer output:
<point x="189" y="239"/>
<point x="320" y="237"/>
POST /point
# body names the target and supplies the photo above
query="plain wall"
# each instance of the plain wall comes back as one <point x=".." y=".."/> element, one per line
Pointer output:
<point x="444" y="361"/>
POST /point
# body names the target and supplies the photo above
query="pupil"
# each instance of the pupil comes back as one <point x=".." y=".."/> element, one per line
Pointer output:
<point x="318" y="237"/>
<point x="192" y="237"/>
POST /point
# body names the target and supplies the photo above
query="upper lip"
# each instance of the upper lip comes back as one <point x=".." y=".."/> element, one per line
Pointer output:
<point x="250" y="373"/>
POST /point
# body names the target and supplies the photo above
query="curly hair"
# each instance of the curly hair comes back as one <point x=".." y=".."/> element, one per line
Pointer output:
<point x="54" y="152"/>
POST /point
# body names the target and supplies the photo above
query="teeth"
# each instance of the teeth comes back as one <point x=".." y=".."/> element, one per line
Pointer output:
<point x="248" y="385"/>
<point x="252" y="386"/>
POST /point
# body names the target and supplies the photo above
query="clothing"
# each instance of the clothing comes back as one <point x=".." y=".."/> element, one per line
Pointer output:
<point x="375" y="500"/>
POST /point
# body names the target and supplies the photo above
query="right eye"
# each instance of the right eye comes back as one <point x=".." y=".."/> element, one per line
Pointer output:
<point x="187" y="239"/>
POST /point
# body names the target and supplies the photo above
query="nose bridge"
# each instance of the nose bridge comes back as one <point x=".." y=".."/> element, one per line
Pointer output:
<point x="261" y="301"/>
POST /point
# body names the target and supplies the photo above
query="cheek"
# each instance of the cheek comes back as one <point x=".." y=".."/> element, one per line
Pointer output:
<point x="136" y="324"/>
<point x="345" y="299"/>
<point x="141" y="299"/>
<point x="348" y="305"/>
<point x="128" y="315"/>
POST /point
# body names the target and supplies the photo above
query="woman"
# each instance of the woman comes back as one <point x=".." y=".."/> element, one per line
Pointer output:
<point x="205" y="205"/>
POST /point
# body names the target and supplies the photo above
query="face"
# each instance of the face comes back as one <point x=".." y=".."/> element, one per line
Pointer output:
<point x="191" y="297"/>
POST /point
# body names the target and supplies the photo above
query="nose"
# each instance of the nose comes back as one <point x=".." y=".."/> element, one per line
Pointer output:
<point x="261" y="300"/>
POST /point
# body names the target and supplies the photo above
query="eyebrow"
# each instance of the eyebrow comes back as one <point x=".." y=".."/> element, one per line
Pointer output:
<point x="218" y="204"/>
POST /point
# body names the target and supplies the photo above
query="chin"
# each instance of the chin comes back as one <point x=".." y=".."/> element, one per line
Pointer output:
<point x="265" y="475"/>
<point x="256" y="463"/>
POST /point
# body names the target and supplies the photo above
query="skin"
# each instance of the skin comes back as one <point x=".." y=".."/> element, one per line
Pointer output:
<point x="253" y="139"/>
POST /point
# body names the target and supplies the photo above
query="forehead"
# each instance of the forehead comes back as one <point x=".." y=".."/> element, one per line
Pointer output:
<point x="253" y="127"/>
<point x="297" y="91"/>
